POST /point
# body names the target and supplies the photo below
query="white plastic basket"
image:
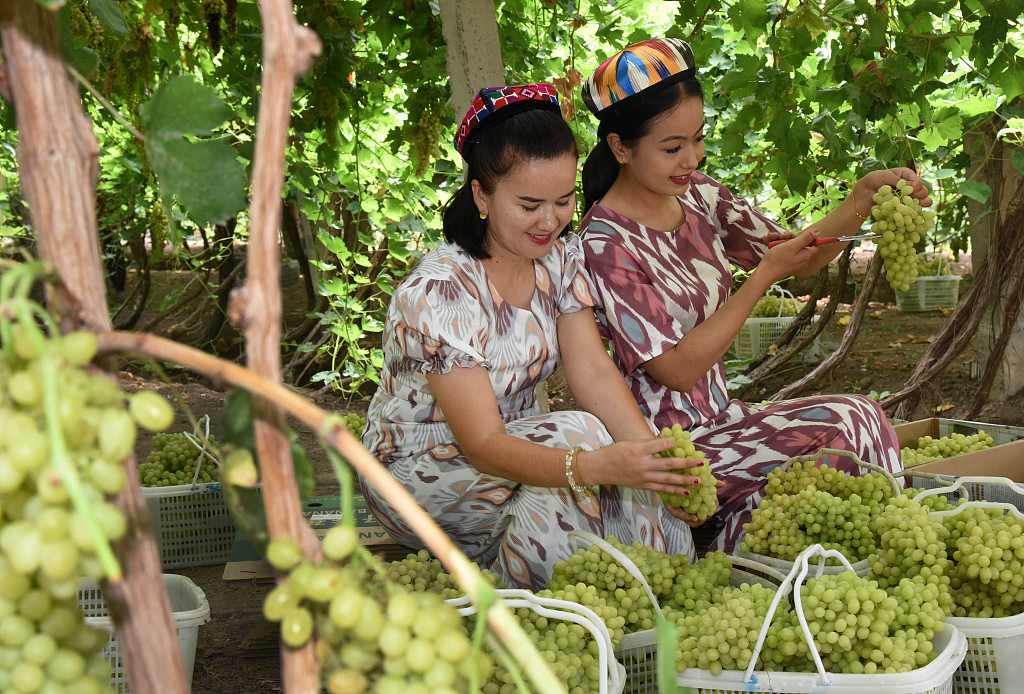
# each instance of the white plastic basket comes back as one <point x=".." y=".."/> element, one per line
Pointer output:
<point x="612" y="674"/>
<point x="191" y="524"/>
<point x="758" y="334"/>
<point x="637" y="651"/>
<point x="935" y="678"/>
<point x="971" y="488"/>
<point x="862" y="567"/>
<point x="994" y="662"/>
<point x="189" y="609"/>
<point x="928" y="293"/>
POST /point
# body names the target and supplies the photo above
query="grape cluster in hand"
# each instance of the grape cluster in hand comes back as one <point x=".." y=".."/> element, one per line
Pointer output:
<point x="902" y="222"/>
<point x="703" y="498"/>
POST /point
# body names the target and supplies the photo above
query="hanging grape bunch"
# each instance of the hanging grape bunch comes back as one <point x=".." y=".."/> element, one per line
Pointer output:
<point x="425" y="140"/>
<point x="703" y="499"/>
<point x="902" y="222"/>
<point x="64" y="433"/>
<point x="212" y="11"/>
<point x="354" y="423"/>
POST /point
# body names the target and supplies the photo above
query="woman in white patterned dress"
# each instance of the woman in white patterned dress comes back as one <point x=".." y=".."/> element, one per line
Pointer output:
<point x="481" y="320"/>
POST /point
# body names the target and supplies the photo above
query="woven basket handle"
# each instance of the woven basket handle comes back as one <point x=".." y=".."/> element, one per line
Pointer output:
<point x="796" y="577"/>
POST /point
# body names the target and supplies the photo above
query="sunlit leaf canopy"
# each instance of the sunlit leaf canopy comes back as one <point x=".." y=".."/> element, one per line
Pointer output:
<point x="801" y="99"/>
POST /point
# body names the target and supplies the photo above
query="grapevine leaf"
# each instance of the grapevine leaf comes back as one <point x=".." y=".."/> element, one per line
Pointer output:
<point x="204" y="174"/>
<point x="976" y="190"/>
<point x="110" y="16"/>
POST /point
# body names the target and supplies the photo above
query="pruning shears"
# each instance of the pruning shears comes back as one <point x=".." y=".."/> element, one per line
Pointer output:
<point x="830" y="239"/>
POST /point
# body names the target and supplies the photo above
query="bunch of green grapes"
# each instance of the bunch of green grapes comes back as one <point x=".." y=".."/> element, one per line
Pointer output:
<point x="422" y="573"/>
<point x="721" y="634"/>
<point x="355" y="424"/>
<point x="986" y="548"/>
<point x="805" y="504"/>
<point x="591" y="568"/>
<point x="911" y="545"/>
<point x="569" y="647"/>
<point x="929" y="449"/>
<point x="173" y="461"/>
<point x="902" y="223"/>
<point x="703" y="498"/>
<point x="375" y="635"/>
<point x="64" y="434"/>
<point x="934" y="267"/>
<point x="772" y="306"/>
<point x="860" y="628"/>
<point x="694" y="585"/>
<point x="425" y="141"/>
<point x="211" y="12"/>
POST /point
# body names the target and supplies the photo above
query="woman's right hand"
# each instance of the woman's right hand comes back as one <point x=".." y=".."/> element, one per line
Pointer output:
<point x="794" y="257"/>
<point x="633" y="464"/>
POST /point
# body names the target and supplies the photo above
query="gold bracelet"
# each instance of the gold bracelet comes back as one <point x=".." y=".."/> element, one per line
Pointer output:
<point x="862" y="217"/>
<point x="570" y="458"/>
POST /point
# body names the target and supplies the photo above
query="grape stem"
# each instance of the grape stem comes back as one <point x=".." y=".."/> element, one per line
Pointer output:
<point x="337" y="436"/>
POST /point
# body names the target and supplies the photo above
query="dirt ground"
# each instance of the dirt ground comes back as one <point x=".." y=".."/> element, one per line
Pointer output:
<point x="237" y="651"/>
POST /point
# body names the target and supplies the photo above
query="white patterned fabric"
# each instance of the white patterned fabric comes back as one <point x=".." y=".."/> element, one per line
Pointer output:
<point x="445" y="315"/>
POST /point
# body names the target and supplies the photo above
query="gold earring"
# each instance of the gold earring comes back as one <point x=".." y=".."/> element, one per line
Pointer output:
<point x="483" y="215"/>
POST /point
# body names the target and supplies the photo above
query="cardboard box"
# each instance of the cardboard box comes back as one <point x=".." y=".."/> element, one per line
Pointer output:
<point x="1000" y="461"/>
<point x="937" y="427"/>
<point x="323" y="513"/>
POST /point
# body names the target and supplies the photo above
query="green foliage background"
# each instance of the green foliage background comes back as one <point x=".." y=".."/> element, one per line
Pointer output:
<point x="803" y="97"/>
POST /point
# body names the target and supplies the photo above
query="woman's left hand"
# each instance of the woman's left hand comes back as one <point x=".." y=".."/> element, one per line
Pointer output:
<point x="688" y="518"/>
<point x="865" y="189"/>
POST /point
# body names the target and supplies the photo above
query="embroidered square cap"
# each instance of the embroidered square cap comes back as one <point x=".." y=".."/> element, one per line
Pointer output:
<point x="492" y="105"/>
<point x="652" y="64"/>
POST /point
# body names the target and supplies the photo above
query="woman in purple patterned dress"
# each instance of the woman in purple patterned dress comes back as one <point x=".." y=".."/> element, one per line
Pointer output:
<point x="480" y="321"/>
<point x="659" y="237"/>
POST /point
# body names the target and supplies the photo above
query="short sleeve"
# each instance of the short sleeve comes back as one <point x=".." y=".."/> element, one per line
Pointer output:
<point x="638" y="321"/>
<point x="436" y="324"/>
<point x="741" y="226"/>
<point x="577" y="287"/>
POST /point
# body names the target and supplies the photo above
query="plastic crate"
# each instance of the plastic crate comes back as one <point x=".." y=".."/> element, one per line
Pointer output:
<point x="994" y="661"/>
<point x="758" y="334"/>
<point x="638" y="653"/>
<point x="191" y="524"/>
<point x="995" y="645"/>
<point x="928" y="293"/>
<point x="935" y="678"/>
<point x="189" y="608"/>
<point x="999" y="490"/>
<point x="612" y="673"/>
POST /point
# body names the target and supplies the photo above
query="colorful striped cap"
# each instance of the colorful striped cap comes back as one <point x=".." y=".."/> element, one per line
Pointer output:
<point x="656" y="63"/>
<point x="492" y="105"/>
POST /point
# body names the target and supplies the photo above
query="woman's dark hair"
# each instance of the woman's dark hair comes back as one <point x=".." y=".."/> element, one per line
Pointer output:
<point x="532" y="134"/>
<point x="631" y="119"/>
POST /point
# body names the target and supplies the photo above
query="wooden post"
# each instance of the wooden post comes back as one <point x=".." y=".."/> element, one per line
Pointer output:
<point x="58" y="162"/>
<point x="288" y="50"/>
